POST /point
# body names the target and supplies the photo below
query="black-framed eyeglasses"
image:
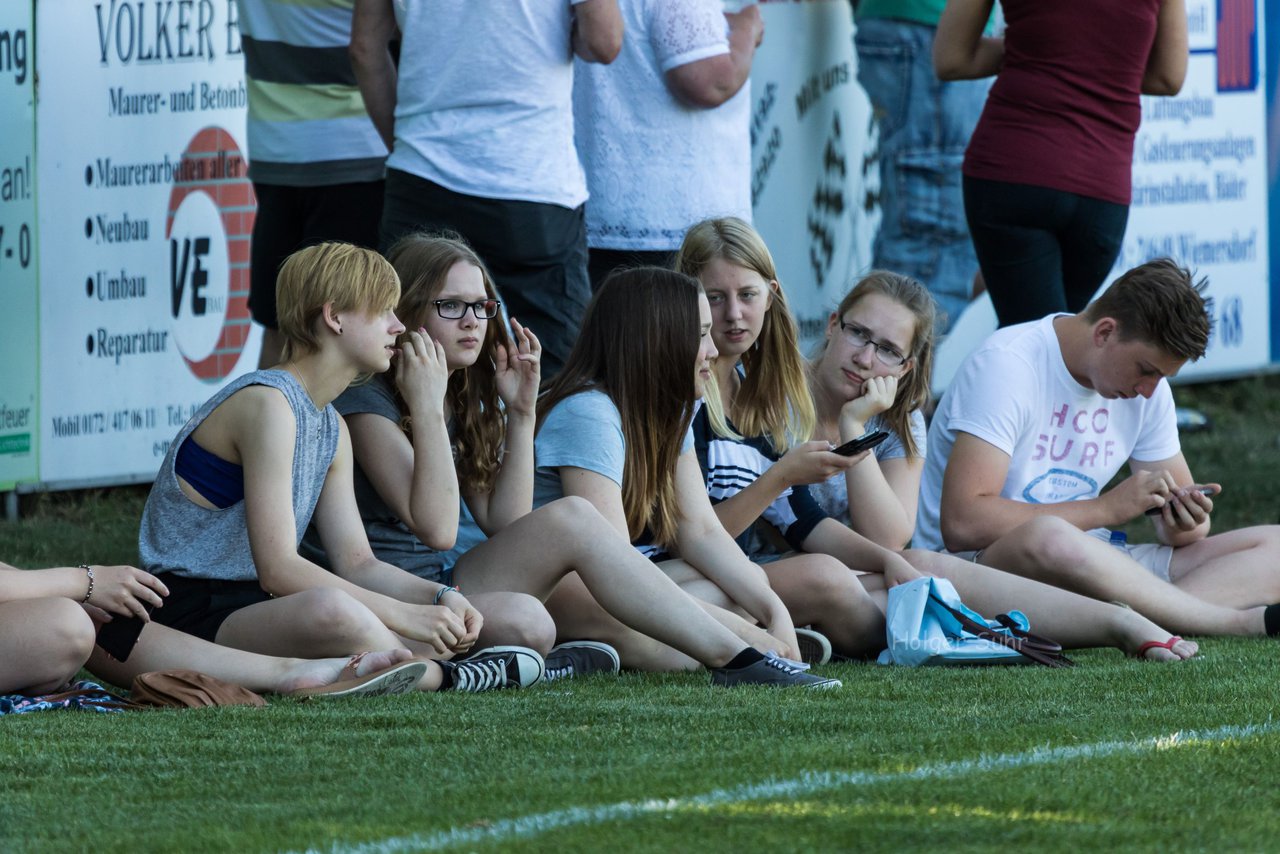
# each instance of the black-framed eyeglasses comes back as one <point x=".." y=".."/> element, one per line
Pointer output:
<point x="454" y="309"/>
<point x="859" y="338"/>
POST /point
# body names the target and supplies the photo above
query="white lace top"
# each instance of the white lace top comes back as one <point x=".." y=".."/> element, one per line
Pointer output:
<point x="654" y="165"/>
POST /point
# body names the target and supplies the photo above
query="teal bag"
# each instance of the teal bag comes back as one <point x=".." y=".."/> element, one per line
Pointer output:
<point x="926" y="624"/>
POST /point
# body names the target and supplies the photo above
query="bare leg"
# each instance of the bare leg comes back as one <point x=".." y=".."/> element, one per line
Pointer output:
<point x="535" y="552"/>
<point x="316" y="622"/>
<point x="697" y="585"/>
<point x="724" y="610"/>
<point x="162" y="648"/>
<point x="320" y="622"/>
<point x="44" y="641"/>
<point x="819" y="590"/>
<point x="1050" y="550"/>
<point x="579" y="616"/>
<point x="1070" y="619"/>
<point x="514" y="619"/>
<point x="1238" y="569"/>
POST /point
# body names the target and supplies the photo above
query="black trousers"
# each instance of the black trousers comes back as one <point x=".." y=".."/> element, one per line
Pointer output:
<point x="1041" y="250"/>
<point x="536" y="252"/>
<point x="291" y="218"/>
<point x="602" y="262"/>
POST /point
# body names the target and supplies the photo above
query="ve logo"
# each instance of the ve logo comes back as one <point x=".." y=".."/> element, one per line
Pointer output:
<point x="208" y="228"/>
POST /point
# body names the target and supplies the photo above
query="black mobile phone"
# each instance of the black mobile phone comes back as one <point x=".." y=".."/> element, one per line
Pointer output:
<point x="862" y="443"/>
<point x="117" y="638"/>
<point x="1203" y="490"/>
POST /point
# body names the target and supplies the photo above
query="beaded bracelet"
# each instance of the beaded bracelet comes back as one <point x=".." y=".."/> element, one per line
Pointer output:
<point x="443" y="590"/>
<point x="89" y="570"/>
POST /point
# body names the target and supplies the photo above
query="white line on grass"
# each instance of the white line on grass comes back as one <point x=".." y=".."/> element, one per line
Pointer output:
<point x="808" y="782"/>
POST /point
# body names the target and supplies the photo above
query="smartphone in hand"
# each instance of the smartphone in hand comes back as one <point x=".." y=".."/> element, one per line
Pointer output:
<point x="117" y="638"/>
<point x="862" y="443"/>
<point x="1203" y="490"/>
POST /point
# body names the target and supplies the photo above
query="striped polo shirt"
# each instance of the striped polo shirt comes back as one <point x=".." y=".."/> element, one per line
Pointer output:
<point x="307" y="121"/>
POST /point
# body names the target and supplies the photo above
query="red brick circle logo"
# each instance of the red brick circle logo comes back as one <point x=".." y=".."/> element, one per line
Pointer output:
<point x="207" y="231"/>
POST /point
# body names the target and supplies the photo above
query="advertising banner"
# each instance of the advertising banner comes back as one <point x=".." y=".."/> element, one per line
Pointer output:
<point x="1200" y="182"/>
<point x="19" y="436"/>
<point x="146" y="213"/>
<point x="811" y="136"/>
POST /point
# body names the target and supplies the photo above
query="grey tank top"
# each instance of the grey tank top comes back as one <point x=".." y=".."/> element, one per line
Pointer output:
<point x="181" y="537"/>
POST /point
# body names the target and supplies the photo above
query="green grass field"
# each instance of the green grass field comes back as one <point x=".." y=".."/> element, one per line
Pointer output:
<point x="1113" y="753"/>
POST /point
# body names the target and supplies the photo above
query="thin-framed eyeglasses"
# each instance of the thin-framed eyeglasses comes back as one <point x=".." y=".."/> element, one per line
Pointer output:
<point x="454" y="309"/>
<point x="859" y="338"/>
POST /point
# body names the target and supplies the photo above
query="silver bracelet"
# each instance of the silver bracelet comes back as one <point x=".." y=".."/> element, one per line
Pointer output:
<point x="89" y="570"/>
<point x="440" y="593"/>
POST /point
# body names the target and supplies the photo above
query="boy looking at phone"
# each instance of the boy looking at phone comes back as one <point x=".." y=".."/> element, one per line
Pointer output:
<point x="1037" y="422"/>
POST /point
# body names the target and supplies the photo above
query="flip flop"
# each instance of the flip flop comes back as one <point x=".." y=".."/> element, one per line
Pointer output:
<point x="396" y="679"/>
<point x="1168" y="644"/>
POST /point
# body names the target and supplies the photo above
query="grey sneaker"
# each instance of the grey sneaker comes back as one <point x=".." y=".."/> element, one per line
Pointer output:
<point x="580" y="658"/>
<point x="814" y="646"/>
<point x="773" y="672"/>
<point x="496" y="667"/>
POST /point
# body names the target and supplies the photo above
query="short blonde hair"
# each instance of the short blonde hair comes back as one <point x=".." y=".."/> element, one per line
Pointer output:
<point x="349" y="277"/>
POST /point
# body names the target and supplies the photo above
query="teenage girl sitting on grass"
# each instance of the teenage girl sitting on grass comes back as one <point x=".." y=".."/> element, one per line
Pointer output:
<point x="872" y="372"/>
<point x="266" y="456"/>
<point x="613" y="434"/>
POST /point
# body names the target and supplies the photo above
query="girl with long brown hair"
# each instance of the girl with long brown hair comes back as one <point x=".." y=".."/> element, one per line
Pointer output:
<point x="613" y="431"/>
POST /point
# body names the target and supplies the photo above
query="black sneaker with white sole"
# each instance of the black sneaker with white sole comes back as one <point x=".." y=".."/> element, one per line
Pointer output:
<point x="580" y="658"/>
<point x="774" y="672"/>
<point x="494" y="667"/>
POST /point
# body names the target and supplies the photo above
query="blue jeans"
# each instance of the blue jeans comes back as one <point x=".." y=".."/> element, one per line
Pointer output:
<point x="925" y="125"/>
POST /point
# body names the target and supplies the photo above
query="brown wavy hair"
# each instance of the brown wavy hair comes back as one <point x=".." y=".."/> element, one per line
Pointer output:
<point x="423" y="261"/>
<point x="913" y="391"/>
<point x="638" y="345"/>
<point x="774" y="398"/>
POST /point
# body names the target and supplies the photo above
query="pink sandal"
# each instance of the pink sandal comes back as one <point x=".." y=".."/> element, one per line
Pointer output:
<point x="1168" y="644"/>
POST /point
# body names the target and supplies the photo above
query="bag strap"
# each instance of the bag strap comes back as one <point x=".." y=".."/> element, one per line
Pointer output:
<point x="1034" y="651"/>
<point x="1029" y="638"/>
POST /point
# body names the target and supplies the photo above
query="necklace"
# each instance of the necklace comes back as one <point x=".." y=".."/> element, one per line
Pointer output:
<point x="298" y="374"/>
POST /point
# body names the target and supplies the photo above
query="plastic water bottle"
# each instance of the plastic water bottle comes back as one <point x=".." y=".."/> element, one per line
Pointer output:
<point x="1120" y="540"/>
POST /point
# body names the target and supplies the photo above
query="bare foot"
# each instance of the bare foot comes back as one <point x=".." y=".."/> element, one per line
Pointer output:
<point x="325" y="671"/>
<point x="1179" y="650"/>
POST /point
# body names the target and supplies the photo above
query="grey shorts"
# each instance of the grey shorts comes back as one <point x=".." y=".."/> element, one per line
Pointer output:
<point x="1153" y="557"/>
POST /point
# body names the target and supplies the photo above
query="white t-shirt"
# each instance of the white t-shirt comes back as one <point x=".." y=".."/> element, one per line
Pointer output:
<point x="484" y="102"/>
<point x="1065" y="442"/>
<point x="654" y="165"/>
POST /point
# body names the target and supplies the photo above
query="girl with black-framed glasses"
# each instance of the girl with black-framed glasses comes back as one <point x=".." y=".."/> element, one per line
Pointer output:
<point x="456" y="419"/>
